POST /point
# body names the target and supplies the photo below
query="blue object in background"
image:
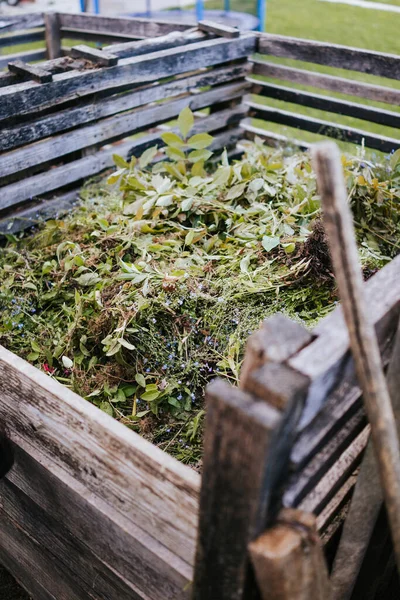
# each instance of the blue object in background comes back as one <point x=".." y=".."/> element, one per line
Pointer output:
<point x="199" y="10"/>
<point x="96" y="6"/>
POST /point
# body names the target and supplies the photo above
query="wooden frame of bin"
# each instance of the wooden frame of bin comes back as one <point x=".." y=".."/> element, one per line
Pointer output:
<point x="90" y="509"/>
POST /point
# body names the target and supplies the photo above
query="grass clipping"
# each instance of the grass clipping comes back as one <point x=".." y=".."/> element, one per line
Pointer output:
<point x="151" y="287"/>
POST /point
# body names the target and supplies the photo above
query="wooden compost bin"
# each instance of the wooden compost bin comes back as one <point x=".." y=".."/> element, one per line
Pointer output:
<point x="90" y="509"/>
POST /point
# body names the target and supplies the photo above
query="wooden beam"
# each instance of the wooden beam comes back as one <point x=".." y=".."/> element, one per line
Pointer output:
<point x="10" y="23"/>
<point x="218" y="29"/>
<point x="99" y="57"/>
<point x="331" y="55"/>
<point x="163" y="42"/>
<point x="366" y="91"/>
<point x="53" y="37"/>
<point x="21" y="38"/>
<point x="30" y="71"/>
<point x="121" y="25"/>
<point x="288" y="560"/>
<point x="25" y="56"/>
<point x="102" y="37"/>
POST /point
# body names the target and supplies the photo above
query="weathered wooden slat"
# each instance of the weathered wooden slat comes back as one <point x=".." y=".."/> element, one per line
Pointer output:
<point x="125" y="548"/>
<point x="334" y="392"/>
<point x="104" y="59"/>
<point x="53" y="36"/>
<point x="330" y="129"/>
<point x="106" y="458"/>
<point x="18" y="67"/>
<point x="96" y="36"/>
<point x="114" y="128"/>
<point x="326" y="103"/>
<point x="71" y="555"/>
<point x="26" y="56"/>
<point x="121" y="25"/>
<point x="23" y="98"/>
<point x="331" y="55"/>
<point x="72" y="117"/>
<point x="367" y="91"/>
<point x="21" y="38"/>
<point x="333" y="507"/>
<point x="219" y="29"/>
<point x="271" y="138"/>
<point x="163" y="42"/>
<point x="19" y="22"/>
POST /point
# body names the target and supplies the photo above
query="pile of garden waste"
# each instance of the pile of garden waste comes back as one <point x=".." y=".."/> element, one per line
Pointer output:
<point x="151" y="286"/>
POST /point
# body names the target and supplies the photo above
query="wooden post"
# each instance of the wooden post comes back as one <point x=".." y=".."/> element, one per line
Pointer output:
<point x="53" y="35"/>
<point x="366" y="502"/>
<point x="288" y="559"/>
<point x="247" y="448"/>
<point x="363" y="342"/>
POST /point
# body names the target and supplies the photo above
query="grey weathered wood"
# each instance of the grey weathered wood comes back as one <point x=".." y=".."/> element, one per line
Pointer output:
<point x="326" y="103"/>
<point x="30" y="71"/>
<point x="123" y="547"/>
<point x="10" y="23"/>
<point x="70" y="555"/>
<point x="331" y="55"/>
<point x="113" y="128"/>
<point x="219" y="29"/>
<point x="170" y="40"/>
<point x="102" y="37"/>
<point x="79" y="441"/>
<point x="99" y="57"/>
<point x="21" y="38"/>
<point x="366" y="502"/>
<point x="122" y="25"/>
<point x="288" y="560"/>
<point x="72" y="117"/>
<point x="53" y="35"/>
<point x="326" y="519"/>
<point x="330" y="129"/>
<point x="341" y="237"/>
<point x="25" y="56"/>
<point x="367" y="91"/>
<point x="25" y="99"/>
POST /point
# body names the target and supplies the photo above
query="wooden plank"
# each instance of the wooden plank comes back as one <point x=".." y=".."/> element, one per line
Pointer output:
<point x="30" y="71"/>
<point x="334" y="392"/>
<point x="96" y="36"/>
<point x="6" y="453"/>
<point x="331" y="55"/>
<point x="367" y="91"/>
<point x="71" y="556"/>
<point x="99" y="57"/>
<point x="288" y="559"/>
<point x="326" y="103"/>
<point x="121" y="25"/>
<point x="127" y="549"/>
<point x="163" y="42"/>
<point x="10" y="23"/>
<point x="61" y="120"/>
<point x="218" y="29"/>
<point x="31" y="55"/>
<point x="333" y="507"/>
<point x="53" y="36"/>
<point x="334" y="130"/>
<point x="24" y="98"/>
<point x="21" y="38"/>
<point x="110" y="461"/>
<point x="114" y="128"/>
<point x="237" y="441"/>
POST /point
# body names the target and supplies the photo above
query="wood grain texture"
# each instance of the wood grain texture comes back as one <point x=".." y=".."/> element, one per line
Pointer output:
<point x="218" y="29"/>
<point x="53" y="35"/>
<point x="124" y="548"/>
<point x="25" y="56"/>
<point x="96" y="108"/>
<point x="24" y="98"/>
<point x="18" y="67"/>
<point x="21" y="38"/>
<point x="321" y="127"/>
<point x="332" y="55"/>
<point x="326" y="103"/>
<point x="288" y="560"/>
<point x="332" y="83"/>
<point x="96" y="56"/>
<point x="123" y="25"/>
<point x="170" y="40"/>
<point x="134" y="478"/>
<point x="10" y="23"/>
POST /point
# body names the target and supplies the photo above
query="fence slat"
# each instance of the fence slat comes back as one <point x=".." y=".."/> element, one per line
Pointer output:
<point x="32" y="55"/>
<point x="121" y="25"/>
<point x="332" y="55"/>
<point x="332" y="83"/>
<point x="21" y="38"/>
<point x="330" y="129"/>
<point x="20" y="22"/>
<point x="326" y="103"/>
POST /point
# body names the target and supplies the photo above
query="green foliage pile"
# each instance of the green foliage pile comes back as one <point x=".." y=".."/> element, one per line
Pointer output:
<point x="151" y="286"/>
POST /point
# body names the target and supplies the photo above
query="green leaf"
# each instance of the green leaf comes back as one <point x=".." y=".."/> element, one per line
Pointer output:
<point x="115" y="176"/>
<point x="120" y="162"/>
<point x="200" y="141"/>
<point x="142" y="413"/>
<point x="187" y="204"/>
<point x="87" y="279"/>
<point x="174" y="153"/>
<point x="189" y="237"/>
<point x="197" y="155"/>
<point x="289" y="248"/>
<point x="140" y="380"/>
<point x="172" y="139"/>
<point x="36" y="347"/>
<point x="147" y="156"/>
<point x="270" y="242"/>
<point x="185" y="121"/>
<point x="107" y="408"/>
<point x="32" y="356"/>
<point x="126" y="344"/>
<point x="150" y="396"/>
